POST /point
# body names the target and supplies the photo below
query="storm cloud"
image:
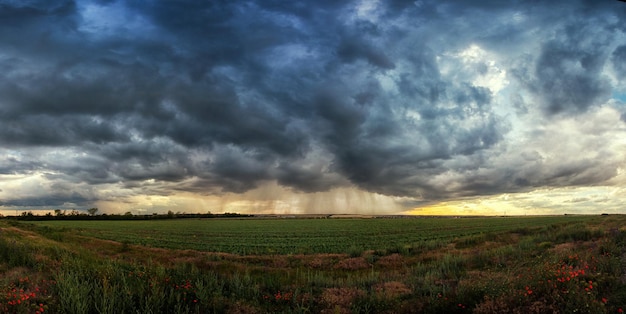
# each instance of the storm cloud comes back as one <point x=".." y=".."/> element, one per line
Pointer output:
<point x="428" y="100"/>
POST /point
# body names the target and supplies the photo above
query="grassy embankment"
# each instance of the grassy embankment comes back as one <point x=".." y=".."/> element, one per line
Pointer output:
<point x="434" y="265"/>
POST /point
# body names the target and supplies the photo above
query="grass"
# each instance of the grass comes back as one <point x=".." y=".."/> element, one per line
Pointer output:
<point x="434" y="265"/>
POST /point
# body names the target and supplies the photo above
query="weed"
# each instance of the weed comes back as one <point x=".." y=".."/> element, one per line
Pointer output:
<point x="471" y="241"/>
<point x="355" y="251"/>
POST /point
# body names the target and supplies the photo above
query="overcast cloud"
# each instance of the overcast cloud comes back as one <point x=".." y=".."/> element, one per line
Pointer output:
<point x="105" y="102"/>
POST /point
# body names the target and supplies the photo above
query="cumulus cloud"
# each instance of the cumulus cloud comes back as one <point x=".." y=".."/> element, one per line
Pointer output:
<point x="426" y="100"/>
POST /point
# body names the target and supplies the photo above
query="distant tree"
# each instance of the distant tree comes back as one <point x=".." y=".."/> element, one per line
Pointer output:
<point x="57" y="212"/>
<point x="170" y="214"/>
<point x="128" y="213"/>
<point x="92" y="211"/>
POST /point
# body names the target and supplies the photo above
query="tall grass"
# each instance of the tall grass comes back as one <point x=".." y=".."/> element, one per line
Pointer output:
<point x="16" y="254"/>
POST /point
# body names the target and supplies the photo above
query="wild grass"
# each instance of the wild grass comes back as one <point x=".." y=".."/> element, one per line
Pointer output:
<point x="562" y="266"/>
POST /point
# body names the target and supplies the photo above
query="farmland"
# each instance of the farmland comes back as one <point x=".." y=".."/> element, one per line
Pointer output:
<point x="416" y="265"/>
<point x="293" y="236"/>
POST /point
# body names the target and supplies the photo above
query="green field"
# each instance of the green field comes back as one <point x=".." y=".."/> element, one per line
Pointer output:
<point x="565" y="264"/>
<point x="293" y="236"/>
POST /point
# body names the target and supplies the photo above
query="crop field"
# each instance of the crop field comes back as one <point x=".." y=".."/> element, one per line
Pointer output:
<point x="562" y="264"/>
<point x="293" y="236"/>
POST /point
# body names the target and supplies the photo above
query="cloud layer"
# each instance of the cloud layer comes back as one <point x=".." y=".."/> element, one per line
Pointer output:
<point x="427" y="101"/>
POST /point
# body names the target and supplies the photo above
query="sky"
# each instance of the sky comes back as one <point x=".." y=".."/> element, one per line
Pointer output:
<point x="293" y="107"/>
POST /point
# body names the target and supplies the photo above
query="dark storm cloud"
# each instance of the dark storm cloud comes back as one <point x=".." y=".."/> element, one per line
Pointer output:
<point x="571" y="87"/>
<point x="50" y="131"/>
<point x="619" y="61"/>
<point x="567" y="75"/>
<point x="58" y="200"/>
<point x="12" y="165"/>
<point x="352" y="49"/>
<point x="311" y="95"/>
<point x="23" y="12"/>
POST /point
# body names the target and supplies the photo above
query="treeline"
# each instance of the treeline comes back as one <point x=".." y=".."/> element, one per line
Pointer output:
<point x="77" y="215"/>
